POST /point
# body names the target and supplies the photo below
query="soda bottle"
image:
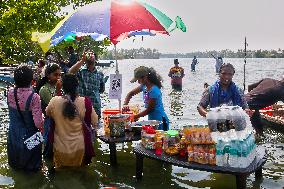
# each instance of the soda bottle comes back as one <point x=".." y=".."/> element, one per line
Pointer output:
<point x="190" y="152"/>
<point x="158" y="146"/>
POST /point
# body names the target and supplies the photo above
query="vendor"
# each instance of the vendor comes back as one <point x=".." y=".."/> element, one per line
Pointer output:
<point x="150" y="85"/>
<point x="223" y="91"/>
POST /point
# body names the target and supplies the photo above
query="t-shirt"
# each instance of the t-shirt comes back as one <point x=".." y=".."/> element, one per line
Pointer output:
<point x="154" y="93"/>
<point x="267" y="92"/>
<point x="176" y="73"/>
<point x="46" y="93"/>
<point x="73" y="58"/>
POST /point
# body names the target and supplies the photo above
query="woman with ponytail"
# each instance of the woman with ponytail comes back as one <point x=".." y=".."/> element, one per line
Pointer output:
<point x="70" y="113"/>
<point x="150" y="84"/>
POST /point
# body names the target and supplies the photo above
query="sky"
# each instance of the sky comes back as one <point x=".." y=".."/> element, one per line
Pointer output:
<point x="217" y="25"/>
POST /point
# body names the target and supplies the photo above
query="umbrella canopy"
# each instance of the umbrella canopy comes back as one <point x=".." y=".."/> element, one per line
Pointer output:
<point x="115" y="19"/>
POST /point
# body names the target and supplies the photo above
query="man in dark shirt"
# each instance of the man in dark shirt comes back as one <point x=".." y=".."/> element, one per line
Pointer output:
<point x="176" y="74"/>
<point x="262" y="94"/>
<point x="73" y="57"/>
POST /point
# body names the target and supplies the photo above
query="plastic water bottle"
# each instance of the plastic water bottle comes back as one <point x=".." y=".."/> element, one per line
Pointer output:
<point x="244" y="154"/>
<point x="212" y="120"/>
<point x="245" y="117"/>
<point x="233" y="154"/>
<point x="237" y="118"/>
<point x="221" y="124"/>
<point x="226" y="152"/>
<point x="219" y="153"/>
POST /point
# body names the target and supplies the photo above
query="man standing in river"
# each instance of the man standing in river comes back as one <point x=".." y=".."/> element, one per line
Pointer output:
<point x="176" y="74"/>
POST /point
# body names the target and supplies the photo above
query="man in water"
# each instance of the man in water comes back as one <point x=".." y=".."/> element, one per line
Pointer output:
<point x="223" y="91"/>
<point x="176" y="74"/>
<point x="193" y="64"/>
<point x="264" y="93"/>
<point x="219" y="62"/>
<point x="91" y="81"/>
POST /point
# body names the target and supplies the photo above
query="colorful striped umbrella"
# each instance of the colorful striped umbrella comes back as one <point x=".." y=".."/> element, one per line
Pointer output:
<point x="115" y="19"/>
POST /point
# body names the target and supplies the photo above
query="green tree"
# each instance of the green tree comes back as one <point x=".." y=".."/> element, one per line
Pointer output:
<point x="19" y="18"/>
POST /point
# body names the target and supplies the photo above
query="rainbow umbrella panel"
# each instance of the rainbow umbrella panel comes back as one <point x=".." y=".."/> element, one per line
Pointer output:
<point x="113" y="19"/>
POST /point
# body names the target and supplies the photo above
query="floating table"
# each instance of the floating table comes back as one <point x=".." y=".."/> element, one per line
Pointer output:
<point x="240" y="173"/>
<point x="129" y="137"/>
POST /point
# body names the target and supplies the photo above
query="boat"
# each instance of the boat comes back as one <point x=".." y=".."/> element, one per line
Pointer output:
<point x="105" y="64"/>
<point x="273" y="118"/>
<point x="6" y="74"/>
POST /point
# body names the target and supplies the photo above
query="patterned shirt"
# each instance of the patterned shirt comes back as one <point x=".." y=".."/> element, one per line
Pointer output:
<point x="35" y="107"/>
<point x="91" y="83"/>
<point x="176" y="73"/>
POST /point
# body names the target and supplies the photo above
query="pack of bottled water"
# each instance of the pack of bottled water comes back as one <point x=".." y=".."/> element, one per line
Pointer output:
<point x="233" y="134"/>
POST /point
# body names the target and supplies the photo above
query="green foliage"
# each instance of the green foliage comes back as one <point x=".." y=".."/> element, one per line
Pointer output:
<point x="84" y="43"/>
<point x="19" y="18"/>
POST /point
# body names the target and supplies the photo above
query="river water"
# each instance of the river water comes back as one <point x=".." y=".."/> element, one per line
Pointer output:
<point x="181" y="109"/>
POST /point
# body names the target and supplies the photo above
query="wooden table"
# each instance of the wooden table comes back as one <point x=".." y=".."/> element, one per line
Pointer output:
<point x="240" y="173"/>
<point x="129" y="137"/>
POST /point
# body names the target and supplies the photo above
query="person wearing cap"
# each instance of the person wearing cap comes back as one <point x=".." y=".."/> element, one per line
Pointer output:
<point x="223" y="91"/>
<point x="176" y="74"/>
<point x="91" y="81"/>
<point x="264" y="93"/>
<point x="150" y="86"/>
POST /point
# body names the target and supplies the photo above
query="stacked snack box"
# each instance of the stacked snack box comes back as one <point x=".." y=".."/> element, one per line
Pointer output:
<point x="201" y="148"/>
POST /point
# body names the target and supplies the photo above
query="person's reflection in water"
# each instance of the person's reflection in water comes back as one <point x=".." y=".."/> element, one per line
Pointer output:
<point x="177" y="104"/>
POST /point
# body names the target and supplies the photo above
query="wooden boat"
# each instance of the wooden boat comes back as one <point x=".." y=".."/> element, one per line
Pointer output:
<point x="6" y="74"/>
<point x="105" y="64"/>
<point x="273" y="118"/>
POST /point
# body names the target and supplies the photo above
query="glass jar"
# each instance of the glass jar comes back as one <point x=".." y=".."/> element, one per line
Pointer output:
<point x="117" y="124"/>
<point x="148" y="139"/>
<point x="172" y="139"/>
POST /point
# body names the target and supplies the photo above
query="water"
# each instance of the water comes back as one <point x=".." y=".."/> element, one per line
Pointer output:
<point x="181" y="109"/>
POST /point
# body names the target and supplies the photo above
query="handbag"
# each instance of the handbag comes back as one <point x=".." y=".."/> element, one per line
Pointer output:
<point x="48" y="148"/>
<point x="36" y="138"/>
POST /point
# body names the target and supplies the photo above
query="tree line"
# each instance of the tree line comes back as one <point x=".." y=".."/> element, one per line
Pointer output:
<point x="229" y="54"/>
<point x="148" y="53"/>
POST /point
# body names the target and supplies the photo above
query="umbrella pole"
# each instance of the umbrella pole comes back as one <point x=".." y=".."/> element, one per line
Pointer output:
<point x="117" y="72"/>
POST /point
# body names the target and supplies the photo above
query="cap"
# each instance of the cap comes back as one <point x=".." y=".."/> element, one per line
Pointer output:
<point x="140" y="72"/>
<point x="176" y="61"/>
